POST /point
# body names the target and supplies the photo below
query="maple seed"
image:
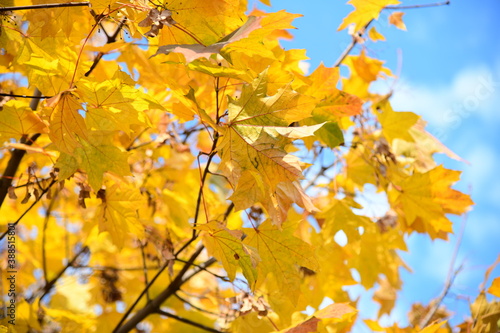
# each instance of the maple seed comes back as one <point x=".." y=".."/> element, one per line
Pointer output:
<point x="156" y="21"/>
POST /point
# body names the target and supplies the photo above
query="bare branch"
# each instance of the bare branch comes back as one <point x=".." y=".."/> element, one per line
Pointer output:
<point x="48" y="286"/>
<point x="187" y="321"/>
<point x="155" y="304"/>
<point x="452" y="273"/>
<point x="49" y="5"/>
<point x="419" y="6"/>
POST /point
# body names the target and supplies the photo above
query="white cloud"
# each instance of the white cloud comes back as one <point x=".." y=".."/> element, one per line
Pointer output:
<point x="474" y="92"/>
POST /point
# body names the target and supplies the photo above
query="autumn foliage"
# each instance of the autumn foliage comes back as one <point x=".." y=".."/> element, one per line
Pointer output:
<point x="173" y="169"/>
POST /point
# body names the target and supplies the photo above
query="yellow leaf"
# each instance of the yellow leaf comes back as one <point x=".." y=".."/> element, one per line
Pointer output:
<point x="117" y="213"/>
<point x="281" y="254"/>
<point x="113" y="105"/>
<point x="396" y="18"/>
<point x="433" y="328"/>
<point x="17" y="120"/>
<point x="385" y="295"/>
<point x="364" y="12"/>
<point x="375" y="35"/>
<point x="494" y="289"/>
<point x="67" y="127"/>
<point x="226" y="246"/>
<point x="374" y="325"/>
<point x="332" y="313"/>
<point x="253" y="144"/>
<point x="396" y="124"/>
<point x="97" y="156"/>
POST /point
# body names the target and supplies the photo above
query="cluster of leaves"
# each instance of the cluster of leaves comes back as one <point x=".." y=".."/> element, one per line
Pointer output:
<point x="198" y="179"/>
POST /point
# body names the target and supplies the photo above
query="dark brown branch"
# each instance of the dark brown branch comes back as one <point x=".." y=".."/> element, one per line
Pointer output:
<point x="419" y="6"/>
<point x="48" y="286"/>
<point x="187" y="321"/>
<point x="16" y="157"/>
<point x="117" y="269"/>
<point x="49" y="5"/>
<point x="155" y="304"/>
<point x="24" y="96"/>
<point x="205" y="173"/>
<point x="223" y="278"/>
<point x="111" y="39"/>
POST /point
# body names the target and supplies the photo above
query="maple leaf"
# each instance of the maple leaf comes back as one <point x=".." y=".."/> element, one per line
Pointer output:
<point x="332" y="313"/>
<point x="254" y="140"/>
<point x="494" y="289"/>
<point x="96" y="157"/>
<point x="375" y="35"/>
<point x="364" y="12"/>
<point x="424" y="199"/>
<point x="195" y="51"/>
<point x="114" y="105"/>
<point x="67" y="127"/>
<point x="396" y="124"/>
<point x="226" y="246"/>
<point x="396" y="18"/>
<point x="17" y="120"/>
<point x="281" y="254"/>
<point x="205" y="22"/>
<point x="117" y="214"/>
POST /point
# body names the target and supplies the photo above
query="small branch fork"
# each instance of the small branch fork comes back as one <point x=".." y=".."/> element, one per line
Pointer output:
<point x="357" y="35"/>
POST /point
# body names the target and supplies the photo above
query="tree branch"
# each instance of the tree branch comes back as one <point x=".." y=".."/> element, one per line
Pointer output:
<point x="194" y="306"/>
<point x="452" y="273"/>
<point x="48" y="287"/>
<point x="24" y="96"/>
<point x="49" y="5"/>
<point x="30" y="207"/>
<point x="419" y="6"/>
<point x="172" y="288"/>
<point x="16" y="156"/>
<point x="358" y="34"/>
<point x="187" y="321"/>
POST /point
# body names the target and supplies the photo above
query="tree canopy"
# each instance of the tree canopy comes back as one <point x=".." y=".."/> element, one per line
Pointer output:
<point x="167" y="166"/>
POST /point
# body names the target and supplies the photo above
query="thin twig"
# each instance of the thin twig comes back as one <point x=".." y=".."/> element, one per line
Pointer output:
<point x="145" y="271"/>
<point x="223" y="278"/>
<point x="355" y="38"/>
<point x="187" y="321"/>
<point x="452" y="273"/>
<point x="49" y="5"/>
<point x="155" y="304"/>
<point x="194" y="306"/>
<point x="419" y="6"/>
<point x="48" y="286"/>
<point x="24" y="96"/>
<point x="358" y="34"/>
<point x="16" y="157"/>
<point x="110" y="39"/>
<point x="117" y="269"/>
<point x="29" y="208"/>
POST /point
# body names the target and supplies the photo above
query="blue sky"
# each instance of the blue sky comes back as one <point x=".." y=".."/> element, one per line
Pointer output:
<point x="449" y="63"/>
